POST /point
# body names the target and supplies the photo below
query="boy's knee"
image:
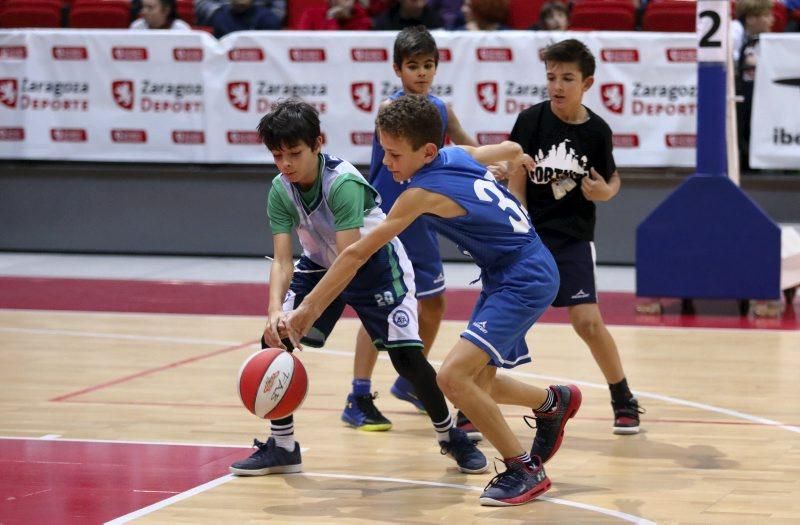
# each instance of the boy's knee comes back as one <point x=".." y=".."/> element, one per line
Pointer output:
<point x="433" y="306"/>
<point x="449" y="382"/>
<point x="587" y="327"/>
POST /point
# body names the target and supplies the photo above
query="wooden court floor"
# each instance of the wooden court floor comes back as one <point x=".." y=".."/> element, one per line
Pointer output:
<point x="720" y="441"/>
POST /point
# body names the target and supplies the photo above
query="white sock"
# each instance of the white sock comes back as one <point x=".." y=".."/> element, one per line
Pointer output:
<point x="284" y="435"/>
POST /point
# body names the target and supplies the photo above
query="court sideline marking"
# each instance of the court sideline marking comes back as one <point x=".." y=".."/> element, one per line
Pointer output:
<point x="235" y="345"/>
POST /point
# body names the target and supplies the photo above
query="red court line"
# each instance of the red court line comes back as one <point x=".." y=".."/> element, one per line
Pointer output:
<point x="185" y="297"/>
<point x="150" y="371"/>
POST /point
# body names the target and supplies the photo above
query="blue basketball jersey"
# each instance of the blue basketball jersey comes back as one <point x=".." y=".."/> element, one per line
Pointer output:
<point x="496" y="227"/>
<point x="379" y="176"/>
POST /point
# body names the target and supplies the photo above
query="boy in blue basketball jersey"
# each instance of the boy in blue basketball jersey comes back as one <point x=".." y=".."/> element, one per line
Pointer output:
<point x="416" y="58"/>
<point x="330" y="206"/>
<point x="519" y="277"/>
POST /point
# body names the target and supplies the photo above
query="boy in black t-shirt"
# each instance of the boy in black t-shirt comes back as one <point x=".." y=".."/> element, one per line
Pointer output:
<point x="572" y="149"/>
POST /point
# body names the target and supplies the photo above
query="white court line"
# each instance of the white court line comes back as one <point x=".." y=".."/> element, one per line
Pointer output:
<point x="639" y="393"/>
<point x="169" y="501"/>
<point x="123" y="442"/>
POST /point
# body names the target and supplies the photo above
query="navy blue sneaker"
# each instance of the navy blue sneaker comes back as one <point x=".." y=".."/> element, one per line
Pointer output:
<point x="469" y="428"/>
<point x="470" y="460"/>
<point x="550" y="425"/>
<point x="269" y="459"/>
<point x="360" y="412"/>
<point x="517" y="485"/>
<point x="402" y="389"/>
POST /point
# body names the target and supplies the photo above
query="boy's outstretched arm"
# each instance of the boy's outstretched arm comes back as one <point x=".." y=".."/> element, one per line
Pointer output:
<point x="456" y="132"/>
<point x="495" y="153"/>
<point x="280" y="276"/>
<point x="298" y="322"/>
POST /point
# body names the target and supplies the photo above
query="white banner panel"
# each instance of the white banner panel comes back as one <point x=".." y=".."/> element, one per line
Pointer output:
<point x="185" y="97"/>
<point x="775" y="129"/>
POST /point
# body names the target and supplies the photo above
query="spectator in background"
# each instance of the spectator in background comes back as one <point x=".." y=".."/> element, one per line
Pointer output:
<point x="204" y="10"/>
<point x="553" y="16"/>
<point x="485" y="15"/>
<point x="451" y="12"/>
<point x="755" y="17"/>
<point x="159" y="14"/>
<point x="339" y="15"/>
<point x="242" y="15"/>
<point x="408" y="13"/>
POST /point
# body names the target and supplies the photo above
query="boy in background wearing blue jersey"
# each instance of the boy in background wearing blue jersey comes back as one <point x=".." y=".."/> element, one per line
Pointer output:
<point x="519" y="281"/>
<point x="415" y="58"/>
<point x="575" y="167"/>
<point x="329" y="203"/>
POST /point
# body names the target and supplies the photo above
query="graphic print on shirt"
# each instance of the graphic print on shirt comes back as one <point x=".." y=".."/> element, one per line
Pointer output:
<point x="561" y="167"/>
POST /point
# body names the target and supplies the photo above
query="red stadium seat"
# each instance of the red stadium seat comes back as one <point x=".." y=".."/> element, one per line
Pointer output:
<point x="523" y="13"/>
<point x="604" y="15"/>
<point x="670" y="16"/>
<point x="781" y="14"/>
<point x="97" y="16"/>
<point x="30" y="16"/>
<point x="55" y="4"/>
<point x="186" y="11"/>
<point x="295" y="8"/>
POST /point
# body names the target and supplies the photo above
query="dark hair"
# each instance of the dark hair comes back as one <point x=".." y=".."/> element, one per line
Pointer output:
<point x="573" y="51"/>
<point x="413" y="41"/>
<point x="551" y="8"/>
<point x="414" y="118"/>
<point x="490" y="11"/>
<point x="172" y="9"/>
<point x="291" y="122"/>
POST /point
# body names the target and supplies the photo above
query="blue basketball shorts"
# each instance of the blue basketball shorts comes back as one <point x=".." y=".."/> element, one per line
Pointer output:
<point x="422" y="246"/>
<point x="576" y="265"/>
<point x="513" y="298"/>
<point x="388" y="313"/>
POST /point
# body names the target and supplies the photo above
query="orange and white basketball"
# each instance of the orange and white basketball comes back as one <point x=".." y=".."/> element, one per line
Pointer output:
<point x="272" y="383"/>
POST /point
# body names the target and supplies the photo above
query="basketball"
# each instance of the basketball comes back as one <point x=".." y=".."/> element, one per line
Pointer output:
<point x="272" y="383"/>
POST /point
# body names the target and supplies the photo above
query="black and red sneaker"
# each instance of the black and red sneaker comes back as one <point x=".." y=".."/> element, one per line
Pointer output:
<point x="550" y="425"/>
<point x="518" y="484"/>
<point x="626" y="416"/>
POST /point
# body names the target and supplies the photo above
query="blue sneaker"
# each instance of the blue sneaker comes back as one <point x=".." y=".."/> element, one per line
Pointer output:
<point x="360" y="412"/>
<point x="402" y="389"/>
<point x="470" y="460"/>
<point x="517" y="485"/>
<point x="269" y="459"/>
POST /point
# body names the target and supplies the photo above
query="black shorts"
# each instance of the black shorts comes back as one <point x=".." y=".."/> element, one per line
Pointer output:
<point x="575" y="259"/>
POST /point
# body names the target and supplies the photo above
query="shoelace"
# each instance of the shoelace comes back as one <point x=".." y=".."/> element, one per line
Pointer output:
<point x="628" y="409"/>
<point x="505" y="479"/>
<point x="366" y="405"/>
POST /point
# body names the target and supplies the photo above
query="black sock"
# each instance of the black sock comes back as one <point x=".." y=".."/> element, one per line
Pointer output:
<point x="620" y="391"/>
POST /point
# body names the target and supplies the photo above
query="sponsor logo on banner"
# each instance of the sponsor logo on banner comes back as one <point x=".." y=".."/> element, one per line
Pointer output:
<point x="613" y="96"/>
<point x="187" y="54"/>
<point x="369" y="54"/>
<point x="625" y="140"/>
<point x="14" y="52"/>
<point x="45" y="94"/>
<point x="522" y="96"/>
<point x="188" y="137"/>
<point x="682" y="54"/>
<point x="494" y="54"/>
<point x="619" y="55"/>
<point x="129" y="136"/>
<point x="158" y="97"/>
<point x="12" y="134"/>
<point x="239" y="95"/>
<point x="445" y="55"/>
<point x="68" y="135"/>
<point x="243" y="137"/>
<point x="487" y="95"/>
<point x="363" y="95"/>
<point x="307" y="54"/>
<point x="122" y="91"/>
<point x="664" y="99"/>
<point x="785" y="137"/>
<point x="129" y="54"/>
<point x="361" y="138"/>
<point x="70" y="53"/>
<point x="491" y="137"/>
<point x="437" y="90"/>
<point x="680" y="140"/>
<point x="246" y="54"/>
<point x="8" y="92"/>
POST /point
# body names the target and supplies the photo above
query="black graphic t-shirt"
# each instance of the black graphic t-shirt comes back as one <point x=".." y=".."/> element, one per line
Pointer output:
<point x="563" y="154"/>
